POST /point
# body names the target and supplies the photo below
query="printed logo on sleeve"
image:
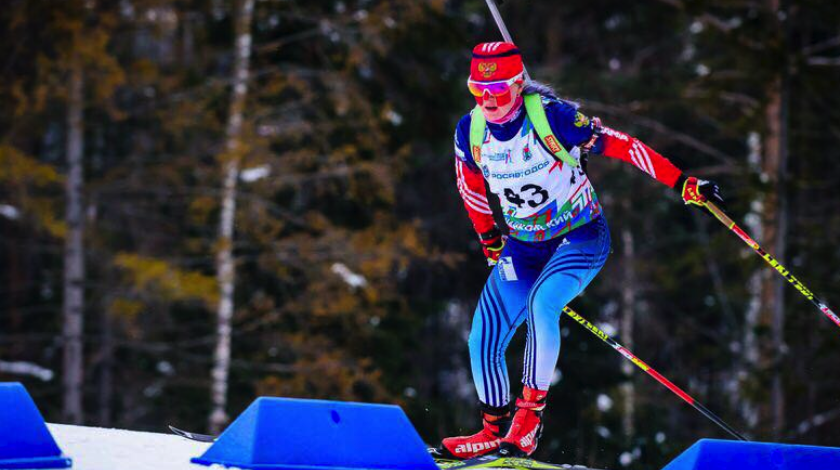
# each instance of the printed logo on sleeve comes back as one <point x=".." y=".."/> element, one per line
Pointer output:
<point x="581" y="120"/>
<point x="616" y="134"/>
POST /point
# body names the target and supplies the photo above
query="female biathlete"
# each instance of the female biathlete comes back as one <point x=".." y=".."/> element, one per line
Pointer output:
<point x="528" y="145"/>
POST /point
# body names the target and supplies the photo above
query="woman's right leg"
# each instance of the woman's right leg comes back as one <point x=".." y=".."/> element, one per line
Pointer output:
<point x="501" y="309"/>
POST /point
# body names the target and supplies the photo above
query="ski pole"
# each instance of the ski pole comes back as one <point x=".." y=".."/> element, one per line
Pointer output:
<point x="500" y="22"/>
<point x="651" y="372"/>
<point x="725" y="220"/>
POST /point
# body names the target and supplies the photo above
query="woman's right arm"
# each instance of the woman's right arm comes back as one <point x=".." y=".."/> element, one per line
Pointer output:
<point x="474" y="196"/>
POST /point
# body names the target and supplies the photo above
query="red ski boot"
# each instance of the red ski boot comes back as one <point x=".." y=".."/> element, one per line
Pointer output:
<point x="496" y="423"/>
<point x="525" y="430"/>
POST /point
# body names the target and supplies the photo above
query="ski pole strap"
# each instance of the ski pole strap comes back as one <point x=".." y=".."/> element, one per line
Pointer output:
<point x="536" y="114"/>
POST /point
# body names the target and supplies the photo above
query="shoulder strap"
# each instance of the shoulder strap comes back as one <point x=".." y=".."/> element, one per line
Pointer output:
<point x="536" y="113"/>
<point x="478" y="125"/>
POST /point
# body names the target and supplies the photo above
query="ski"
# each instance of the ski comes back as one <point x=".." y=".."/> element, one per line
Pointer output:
<point x="495" y="461"/>
<point x="192" y="435"/>
<point x="442" y="461"/>
<point x="487" y="461"/>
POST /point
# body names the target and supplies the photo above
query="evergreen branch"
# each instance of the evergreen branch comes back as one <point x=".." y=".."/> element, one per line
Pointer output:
<point x="821" y="46"/>
<point x="26" y="368"/>
<point x="824" y="61"/>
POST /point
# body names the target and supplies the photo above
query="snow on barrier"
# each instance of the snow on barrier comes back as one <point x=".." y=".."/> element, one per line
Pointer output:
<point x="711" y="454"/>
<point x="295" y="434"/>
<point x="25" y="441"/>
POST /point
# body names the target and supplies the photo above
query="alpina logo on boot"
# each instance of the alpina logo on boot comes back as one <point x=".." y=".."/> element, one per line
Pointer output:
<point x="477" y="447"/>
<point x="530" y="405"/>
<point x="528" y="439"/>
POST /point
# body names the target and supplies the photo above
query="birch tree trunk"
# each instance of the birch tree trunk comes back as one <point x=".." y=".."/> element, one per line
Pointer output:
<point x="74" y="255"/>
<point x="765" y="312"/>
<point x="764" y="339"/>
<point x="225" y="269"/>
<point x="751" y="354"/>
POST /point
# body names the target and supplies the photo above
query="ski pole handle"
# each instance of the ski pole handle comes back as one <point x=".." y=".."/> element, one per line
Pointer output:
<point x="719" y="214"/>
<point x="731" y="225"/>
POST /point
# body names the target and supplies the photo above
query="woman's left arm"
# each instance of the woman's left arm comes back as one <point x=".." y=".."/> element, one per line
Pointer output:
<point x="616" y="144"/>
<point x="577" y="130"/>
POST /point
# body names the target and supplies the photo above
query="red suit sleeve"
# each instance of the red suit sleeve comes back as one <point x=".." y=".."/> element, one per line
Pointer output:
<point x="472" y="190"/>
<point x="616" y="144"/>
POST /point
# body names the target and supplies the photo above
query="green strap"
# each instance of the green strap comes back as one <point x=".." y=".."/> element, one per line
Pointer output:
<point x="478" y="124"/>
<point x="536" y="113"/>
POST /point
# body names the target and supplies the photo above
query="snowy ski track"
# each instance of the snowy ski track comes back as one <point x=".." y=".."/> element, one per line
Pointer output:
<point x="117" y="449"/>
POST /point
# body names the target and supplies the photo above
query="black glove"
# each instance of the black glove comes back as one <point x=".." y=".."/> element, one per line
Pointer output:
<point x="698" y="192"/>
<point x="492" y="243"/>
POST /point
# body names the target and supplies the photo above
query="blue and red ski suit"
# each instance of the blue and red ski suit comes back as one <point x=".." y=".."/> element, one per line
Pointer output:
<point x="559" y="238"/>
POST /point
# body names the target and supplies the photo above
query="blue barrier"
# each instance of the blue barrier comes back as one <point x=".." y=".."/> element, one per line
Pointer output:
<point x="25" y="441"/>
<point x="294" y="434"/>
<point x="710" y="454"/>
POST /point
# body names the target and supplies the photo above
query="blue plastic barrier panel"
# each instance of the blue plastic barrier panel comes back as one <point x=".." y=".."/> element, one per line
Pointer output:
<point x="711" y="454"/>
<point x="294" y="434"/>
<point x="25" y="441"/>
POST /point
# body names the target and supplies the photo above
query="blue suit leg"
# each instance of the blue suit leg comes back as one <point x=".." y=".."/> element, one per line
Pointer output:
<point x="571" y="268"/>
<point x="500" y="310"/>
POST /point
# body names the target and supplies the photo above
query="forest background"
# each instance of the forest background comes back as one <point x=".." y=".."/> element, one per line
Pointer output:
<point x="205" y="201"/>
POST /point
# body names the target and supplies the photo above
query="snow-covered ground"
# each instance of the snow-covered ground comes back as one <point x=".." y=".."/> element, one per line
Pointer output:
<point x="117" y="449"/>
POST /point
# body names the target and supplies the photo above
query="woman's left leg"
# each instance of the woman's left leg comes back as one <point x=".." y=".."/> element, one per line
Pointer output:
<point x="571" y="268"/>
